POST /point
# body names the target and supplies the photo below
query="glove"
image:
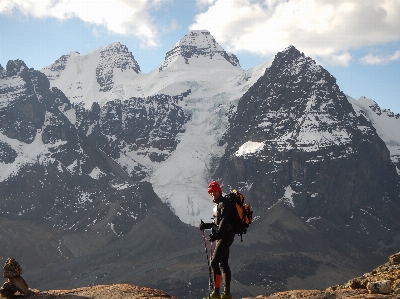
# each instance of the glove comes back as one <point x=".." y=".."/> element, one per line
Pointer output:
<point x="212" y="237"/>
<point x="204" y="226"/>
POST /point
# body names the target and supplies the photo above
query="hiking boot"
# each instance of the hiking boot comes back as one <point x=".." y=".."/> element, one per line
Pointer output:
<point x="226" y="296"/>
<point x="213" y="295"/>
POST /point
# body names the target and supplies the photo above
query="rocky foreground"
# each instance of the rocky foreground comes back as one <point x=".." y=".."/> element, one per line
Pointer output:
<point x="116" y="291"/>
<point x="382" y="282"/>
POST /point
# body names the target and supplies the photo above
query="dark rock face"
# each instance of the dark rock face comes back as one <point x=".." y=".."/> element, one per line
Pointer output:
<point x="314" y="145"/>
<point x="148" y="123"/>
<point x="20" y="112"/>
<point x="74" y="177"/>
<point x="7" y="153"/>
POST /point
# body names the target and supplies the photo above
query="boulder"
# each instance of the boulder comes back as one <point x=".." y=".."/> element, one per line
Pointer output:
<point x="379" y="287"/>
<point x="15" y="283"/>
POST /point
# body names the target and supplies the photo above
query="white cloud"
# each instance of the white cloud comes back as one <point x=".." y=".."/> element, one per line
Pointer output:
<point x="126" y="17"/>
<point x="341" y="59"/>
<point x="380" y="59"/>
<point x="204" y="3"/>
<point x="323" y="29"/>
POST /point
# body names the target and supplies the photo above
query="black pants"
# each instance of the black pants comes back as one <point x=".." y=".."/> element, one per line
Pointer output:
<point x="220" y="259"/>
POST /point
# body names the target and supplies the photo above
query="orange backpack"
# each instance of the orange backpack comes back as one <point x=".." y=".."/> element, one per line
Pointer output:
<point x="243" y="215"/>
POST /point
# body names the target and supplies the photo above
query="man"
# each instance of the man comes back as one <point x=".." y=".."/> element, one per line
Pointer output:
<point x="222" y="232"/>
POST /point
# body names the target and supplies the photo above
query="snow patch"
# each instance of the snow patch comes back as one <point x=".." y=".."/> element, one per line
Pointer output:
<point x="96" y="173"/>
<point x="313" y="219"/>
<point x="71" y="115"/>
<point x="120" y="186"/>
<point x="249" y="148"/>
<point x="288" y="196"/>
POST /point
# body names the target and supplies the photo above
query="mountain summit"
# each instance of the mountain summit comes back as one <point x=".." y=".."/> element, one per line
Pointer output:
<point x="112" y="72"/>
<point x="93" y="76"/>
<point x="198" y="47"/>
<point x="298" y="105"/>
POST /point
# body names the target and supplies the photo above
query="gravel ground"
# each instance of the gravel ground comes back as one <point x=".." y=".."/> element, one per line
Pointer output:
<point x="116" y="291"/>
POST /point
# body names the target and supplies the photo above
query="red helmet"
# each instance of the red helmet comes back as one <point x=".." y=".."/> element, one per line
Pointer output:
<point x="214" y="186"/>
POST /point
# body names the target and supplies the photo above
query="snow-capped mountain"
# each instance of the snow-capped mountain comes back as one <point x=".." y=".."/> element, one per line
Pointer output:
<point x="175" y="139"/>
<point x="92" y="77"/>
<point x="198" y="43"/>
<point x="209" y="82"/>
<point x="112" y="73"/>
<point x="296" y="138"/>
<point x="89" y="146"/>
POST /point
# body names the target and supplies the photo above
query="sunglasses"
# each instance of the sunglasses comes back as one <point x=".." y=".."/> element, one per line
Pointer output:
<point x="213" y="191"/>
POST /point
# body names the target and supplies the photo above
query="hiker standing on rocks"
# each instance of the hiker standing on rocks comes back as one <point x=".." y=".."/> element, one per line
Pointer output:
<point x="222" y="232"/>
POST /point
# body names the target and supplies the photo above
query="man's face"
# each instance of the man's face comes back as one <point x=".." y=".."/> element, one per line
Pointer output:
<point x="214" y="194"/>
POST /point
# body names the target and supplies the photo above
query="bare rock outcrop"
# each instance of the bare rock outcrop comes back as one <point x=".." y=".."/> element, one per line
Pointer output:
<point x="15" y="283"/>
<point x="384" y="279"/>
<point x="382" y="282"/>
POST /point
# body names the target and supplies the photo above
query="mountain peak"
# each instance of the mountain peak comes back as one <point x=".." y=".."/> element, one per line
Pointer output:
<point x="114" y="56"/>
<point x="199" y="38"/>
<point x="107" y="65"/>
<point x="307" y="93"/>
<point x="16" y="67"/>
<point x="291" y="53"/>
<point x="290" y="48"/>
<point x="114" y="45"/>
<point x="198" y="44"/>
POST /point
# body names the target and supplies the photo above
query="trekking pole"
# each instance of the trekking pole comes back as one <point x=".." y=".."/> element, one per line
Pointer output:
<point x="210" y="281"/>
<point x="211" y="276"/>
<point x="211" y="251"/>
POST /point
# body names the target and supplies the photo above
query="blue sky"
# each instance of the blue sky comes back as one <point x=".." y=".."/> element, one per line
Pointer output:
<point x="357" y="41"/>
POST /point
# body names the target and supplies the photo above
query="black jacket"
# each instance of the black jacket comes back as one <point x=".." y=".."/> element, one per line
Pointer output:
<point x="223" y="218"/>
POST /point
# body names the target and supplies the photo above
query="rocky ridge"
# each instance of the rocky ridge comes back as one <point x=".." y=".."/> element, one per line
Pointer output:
<point x="366" y="286"/>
